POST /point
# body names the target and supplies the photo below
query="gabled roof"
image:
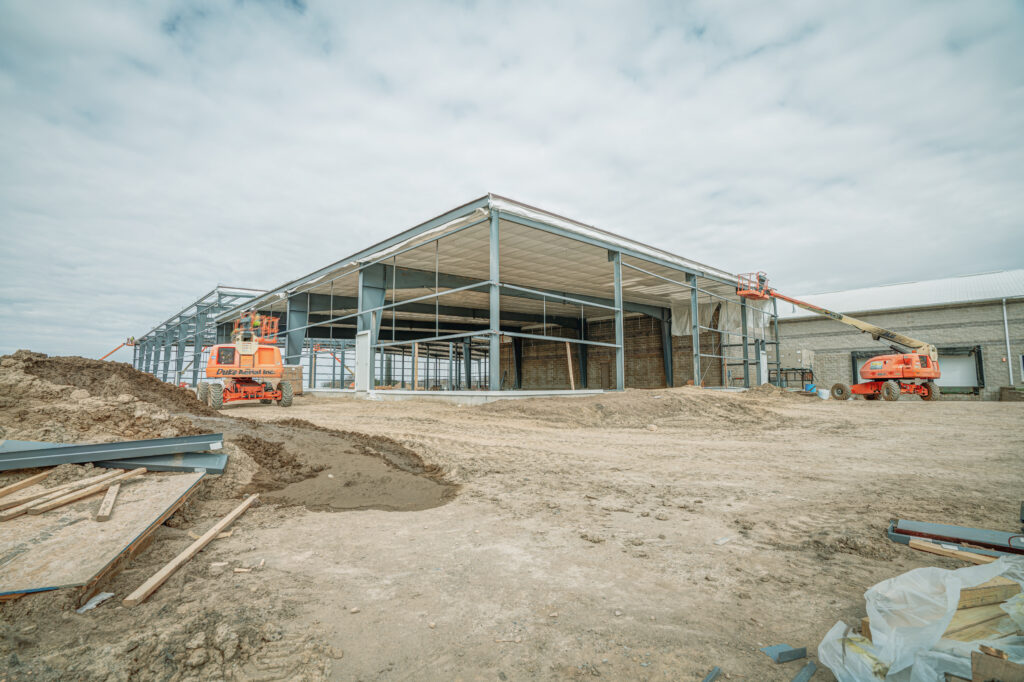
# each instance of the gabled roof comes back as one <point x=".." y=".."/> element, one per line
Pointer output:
<point x="988" y="286"/>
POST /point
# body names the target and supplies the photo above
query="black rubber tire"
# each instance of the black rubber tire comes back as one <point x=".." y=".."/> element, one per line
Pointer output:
<point x="265" y="401"/>
<point x="933" y="391"/>
<point x="217" y="396"/>
<point x="891" y="390"/>
<point x="287" y="394"/>
<point x="870" y="396"/>
<point x="203" y="391"/>
<point x="840" y="392"/>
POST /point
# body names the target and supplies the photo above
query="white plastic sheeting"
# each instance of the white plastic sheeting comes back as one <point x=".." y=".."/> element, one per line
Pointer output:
<point x="908" y="615"/>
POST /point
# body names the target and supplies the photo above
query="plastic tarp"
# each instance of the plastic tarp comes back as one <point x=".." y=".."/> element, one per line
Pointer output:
<point x="681" y="321"/>
<point x="909" y="614"/>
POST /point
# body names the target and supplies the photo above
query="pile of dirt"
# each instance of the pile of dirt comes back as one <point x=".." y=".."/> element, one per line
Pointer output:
<point x="642" y="408"/>
<point x="110" y="380"/>
<point x="278" y="467"/>
<point x="770" y="391"/>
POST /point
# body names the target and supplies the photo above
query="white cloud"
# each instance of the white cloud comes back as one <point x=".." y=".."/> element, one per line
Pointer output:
<point x="152" y="152"/>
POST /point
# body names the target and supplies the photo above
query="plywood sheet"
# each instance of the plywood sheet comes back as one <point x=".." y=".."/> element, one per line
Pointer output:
<point x="66" y="547"/>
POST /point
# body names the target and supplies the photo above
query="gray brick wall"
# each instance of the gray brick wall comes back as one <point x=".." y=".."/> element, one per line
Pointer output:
<point x="979" y="324"/>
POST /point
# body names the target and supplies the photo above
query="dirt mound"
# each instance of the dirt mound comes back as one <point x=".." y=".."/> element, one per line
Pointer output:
<point x="641" y="408"/>
<point x="109" y="380"/>
<point x="278" y="467"/>
<point x="770" y="391"/>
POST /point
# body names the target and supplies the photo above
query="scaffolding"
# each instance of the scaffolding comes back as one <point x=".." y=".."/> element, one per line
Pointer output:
<point x="451" y="304"/>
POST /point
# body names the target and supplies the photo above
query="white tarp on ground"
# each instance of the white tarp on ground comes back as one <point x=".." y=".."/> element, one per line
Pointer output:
<point x="908" y="616"/>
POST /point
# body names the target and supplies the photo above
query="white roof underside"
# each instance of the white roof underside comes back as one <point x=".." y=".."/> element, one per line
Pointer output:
<point x="529" y="257"/>
<point x="988" y="286"/>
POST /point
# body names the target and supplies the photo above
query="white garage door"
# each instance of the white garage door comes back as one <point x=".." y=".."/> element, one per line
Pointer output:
<point x="958" y="370"/>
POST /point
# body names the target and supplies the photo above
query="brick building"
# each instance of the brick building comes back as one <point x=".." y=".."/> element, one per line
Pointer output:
<point x="976" y="321"/>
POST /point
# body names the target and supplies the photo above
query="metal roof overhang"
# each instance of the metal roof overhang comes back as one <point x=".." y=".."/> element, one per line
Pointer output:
<point x="538" y="250"/>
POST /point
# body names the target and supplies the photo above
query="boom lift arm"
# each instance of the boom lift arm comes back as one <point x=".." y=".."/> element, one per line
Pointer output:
<point x="754" y="285"/>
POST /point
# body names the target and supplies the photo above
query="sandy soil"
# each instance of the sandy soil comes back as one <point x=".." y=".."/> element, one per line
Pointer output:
<point x="546" y="538"/>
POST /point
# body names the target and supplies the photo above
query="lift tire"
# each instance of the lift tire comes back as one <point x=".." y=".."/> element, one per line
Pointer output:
<point x="286" y="394"/>
<point x="931" y="391"/>
<point x="840" y="392"/>
<point x="890" y="390"/>
<point x="217" y="396"/>
<point x="203" y="391"/>
<point x="870" y="396"/>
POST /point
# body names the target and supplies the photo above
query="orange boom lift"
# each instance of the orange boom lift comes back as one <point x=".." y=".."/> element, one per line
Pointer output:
<point x="248" y="368"/>
<point x="885" y="376"/>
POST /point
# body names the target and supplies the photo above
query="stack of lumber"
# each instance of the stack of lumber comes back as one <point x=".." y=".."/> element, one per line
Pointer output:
<point x="978" y="614"/>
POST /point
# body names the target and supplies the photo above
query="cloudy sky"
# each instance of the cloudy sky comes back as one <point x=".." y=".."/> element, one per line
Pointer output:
<point x="150" y="151"/>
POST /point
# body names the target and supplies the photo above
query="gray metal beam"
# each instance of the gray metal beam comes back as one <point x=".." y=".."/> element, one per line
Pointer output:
<point x="494" y="342"/>
<point x="620" y="358"/>
<point x="297" y="315"/>
<point x="198" y="339"/>
<point x="666" y="347"/>
<point x="746" y="344"/>
<point x="695" y="329"/>
<point x="179" y="353"/>
<point x="25" y="457"/>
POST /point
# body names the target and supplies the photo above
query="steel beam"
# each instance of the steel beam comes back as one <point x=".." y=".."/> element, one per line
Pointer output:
<point x="666" y="347"/>
<point x="26" y="457"/>
<point x="179" y="353"/>
<point x="695" y="330"/>
<point x="494" y="341"/>
<point x="746" y="344"/>
<point x="620" y="357"/>
<point x="197" y="345"/>
<point x="295" y="336"/>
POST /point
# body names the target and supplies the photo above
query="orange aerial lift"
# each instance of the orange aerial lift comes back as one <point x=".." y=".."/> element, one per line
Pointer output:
<point x="130" y="341"/>
<point x="249" y="368"/>
<point x="885" y="376"/>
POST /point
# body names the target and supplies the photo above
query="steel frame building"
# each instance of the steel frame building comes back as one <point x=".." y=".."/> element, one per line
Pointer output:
<point x="164" y="349"/>
<point x="451" y="301"/>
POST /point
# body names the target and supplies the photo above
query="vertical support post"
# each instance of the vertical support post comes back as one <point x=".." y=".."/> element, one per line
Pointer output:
<point x="666" y="346"/>
<point x="517" y="355"/>
<point x="426" y="369"/>
<point x="695" y="325"/>
<point x="147" y="355"/>
<point x="403" y="366"/>
<point x="746" y="344"/>
<point x="179" y="354"/>
<point x="467" y="360"/>
<point x="584" y="350"/>
<point x="451" y="366"/>
<point x="198" y="338"/>
<point x="1006" y="335"/>
<point x="295" y="336"/>
<point x="415" y="365"/>
<point x="778" y="357"/>
<point x="568" y="358"/>
<point x="620" y="351"/>
<point x="167" y="354"/>
<point x="494" y="340"/>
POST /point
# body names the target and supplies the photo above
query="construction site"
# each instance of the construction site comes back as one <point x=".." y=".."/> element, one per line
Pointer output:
<point x="505" y="445"/>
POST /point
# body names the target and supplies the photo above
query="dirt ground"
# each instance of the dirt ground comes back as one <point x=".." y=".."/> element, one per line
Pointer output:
<point x="645" y="535"/>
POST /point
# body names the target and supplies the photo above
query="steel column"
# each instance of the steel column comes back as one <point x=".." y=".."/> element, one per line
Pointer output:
<point x="584" y="349"/>
<point x="666" y="347"/>
<point x="695" y="330"/>
<point x="158" y="350"/>
<point x="778" y="357"/>
<point x="620" y="352"/>
<point x="517" y="354"/>
<point x="295" y="337"/>
<point x="746" y="344"/>
<point x="179" y="355"/>
<point x="494" y="340"/>
<point x="197" y="344"/>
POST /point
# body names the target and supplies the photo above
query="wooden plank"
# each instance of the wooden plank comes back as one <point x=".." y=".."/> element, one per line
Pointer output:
<point x="995" y="591"/>
<point x="932" y="548"/>
<point x="44" y="552"/>
<point x="55" y="491"/>
<point x="985" y="668"/>
<point x="865" y="628"/>
<point x="24" y="483"/>
<point x="998" y="653"/>
<point x="568" y="357"/>
<point x="107" y="505"/>
<point x="76" y="495"/>
<point x="140" y="543"/>
<point x="968" y="618"/>
<point x="157" y="579"/>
